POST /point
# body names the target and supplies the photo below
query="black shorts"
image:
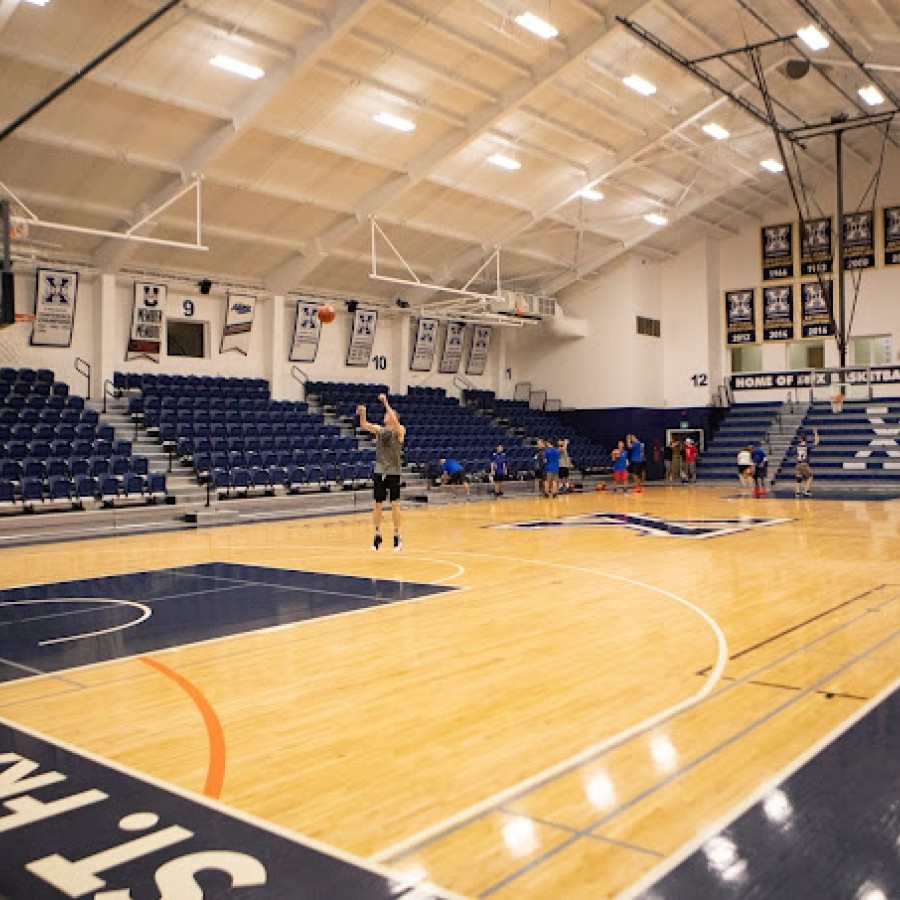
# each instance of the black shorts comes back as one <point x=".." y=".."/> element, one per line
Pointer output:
<point x="539" y="474"/>
<point x="563" y="472"/>
<point x="457" y="477"/>
<point x="636" y="468"/>
<point x="500" y="476"/>
<point x="386" y="486"/>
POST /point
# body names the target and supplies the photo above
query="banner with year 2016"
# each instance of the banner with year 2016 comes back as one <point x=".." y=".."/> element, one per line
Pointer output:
<point x="362" y="337"/>
<point x="451" y="356"/>
<point x="54" y="308"/>
<point x="307" y="331"/>
<point x="778" y="313"/>
<point x="777" y="251"/>
<point x="147" y="321"/>
<point x="424" y="348"/>
<point x="817" y="313"/>
<point x="478" y="352"/>
<point x="892" y="236"/>
<point x="740" y="316"/>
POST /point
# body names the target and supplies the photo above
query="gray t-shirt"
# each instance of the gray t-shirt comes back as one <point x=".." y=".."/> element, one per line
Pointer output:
<point x="388" y="452"/>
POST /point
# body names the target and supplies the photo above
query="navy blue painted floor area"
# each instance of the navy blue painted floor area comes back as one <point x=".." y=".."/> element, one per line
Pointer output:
<point x="831" y="830"/>
<point x="74" y="827"/>
<point x="48" y="628"/>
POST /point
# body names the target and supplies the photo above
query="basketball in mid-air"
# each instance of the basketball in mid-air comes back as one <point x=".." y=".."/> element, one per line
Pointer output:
<point x="326" y="314"/>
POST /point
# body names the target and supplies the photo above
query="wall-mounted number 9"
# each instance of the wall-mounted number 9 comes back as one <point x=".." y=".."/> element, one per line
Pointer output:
<point x="187" y="307"/>
<point x="380" y="362"/>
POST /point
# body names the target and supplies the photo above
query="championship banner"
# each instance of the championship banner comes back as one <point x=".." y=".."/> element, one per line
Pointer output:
<point x="740" y="316"/>
<point x="147" y="321"/>
<point x="777" y="251"/>
<point x="892" y="236"/>
<point x="55" y="294"/>
<point x="307" y="330"/>
<point x="817" y="316"/>
<point x="478" y="352"/>
<point x="859" y="240"/>
<point x="362" y="338"/>
<point x="238" y="324"/>
<point x="816" y="247"/>
<point x="425" y="345"/>
<point x="778" y="313"/>
<point x="451" y="356"/>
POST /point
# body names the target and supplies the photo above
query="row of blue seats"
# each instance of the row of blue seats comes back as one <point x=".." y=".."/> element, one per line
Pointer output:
<point x="257" y="404"/>
<point x="86" y="430"/>
<point x="32" y="389"/>
<point x="70" y="467"/>
<point x="19" y="450"/>
<point x="235" y="417"/>
<point x="148" y="380"/>
<point x="244" y="480"/>
<point x="204" y="463"/>
<point x="31" y="493"/>
<point x="10" y="375"/>
<point x="186" y="447"/>
<point x="38" y="402"/>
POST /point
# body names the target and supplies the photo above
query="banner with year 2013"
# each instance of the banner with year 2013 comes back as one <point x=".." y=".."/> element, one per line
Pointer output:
<point x="451" y="356"/>
<point x="777" y="251"/>
<point x="424" y="348"/>
<point x="362" y="337"/>
<point x="54" y="308"/>
<point x="478" y="352"/>
<point x="892" y="236"/>
<point x="778" y="313"/>
<point x="238" y="324"/>
<point x="147" y="321"/>
<point x="307" y="331"/>
<point x="740" y="316"/>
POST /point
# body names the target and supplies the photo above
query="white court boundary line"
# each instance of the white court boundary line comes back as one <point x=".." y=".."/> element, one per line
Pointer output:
<point x="145" y="610"/>
<point x="426" y="835"/>
<point x="672" y="862"/>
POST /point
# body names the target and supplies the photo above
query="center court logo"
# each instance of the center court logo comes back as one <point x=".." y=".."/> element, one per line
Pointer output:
<point x="652" y="525"/>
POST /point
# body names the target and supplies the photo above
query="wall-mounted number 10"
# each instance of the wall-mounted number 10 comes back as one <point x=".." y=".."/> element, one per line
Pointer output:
<point x="380" y="362"/>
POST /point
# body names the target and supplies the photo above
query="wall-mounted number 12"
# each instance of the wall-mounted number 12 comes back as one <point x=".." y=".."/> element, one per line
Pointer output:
<point x="700" y="379"/>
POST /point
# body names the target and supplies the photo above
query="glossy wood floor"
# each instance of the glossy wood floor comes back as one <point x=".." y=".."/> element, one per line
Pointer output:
<point x="554" y="729"/>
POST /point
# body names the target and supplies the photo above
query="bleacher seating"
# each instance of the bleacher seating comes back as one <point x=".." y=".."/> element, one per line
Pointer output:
<point x="50" y="444"/>
<point x="743" y="424"/>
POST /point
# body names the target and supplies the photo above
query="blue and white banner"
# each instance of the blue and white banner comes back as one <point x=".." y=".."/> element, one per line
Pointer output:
<point x="425" y="346"/>
<point x="892" y="236"/>
<point x="778" y="313"/>
<point x="478" y="352"/>
<point x="147" y="321"/>
<point x="238" y="323"/>
<point x="740" y="316"/>
<point x="817" y="316"/>
<point x="777" y="251"/>
<point x="816" y="247"/>
<point x="307" y="331"/>
<point x="451" y="355"/>
<point x="859" y="240"/>
<point x="55" y="294"/>
<point x="362" y="337"/>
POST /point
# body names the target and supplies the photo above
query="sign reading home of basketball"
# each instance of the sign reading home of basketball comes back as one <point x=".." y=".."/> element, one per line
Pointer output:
<point x="307" y="330"/>
<point x="859" y="240"/>
<point x="762" y="381"/>
<point x="778" y="313"/>
<point x="816" y="247"/>
<point x="740" y="316"/>
<point x="892" y="236"/>
<point x="362" y="337"/>
<point x="777" y="251"/>
<point x="54" y="308"/>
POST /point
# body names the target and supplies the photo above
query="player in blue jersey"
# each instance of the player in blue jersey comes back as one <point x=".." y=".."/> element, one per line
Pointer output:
<point x="636" y="461"/>
<point x="551" y="469"/>
<point x="499" y="470"/>
<point x="454" y="474"/>
<point x="620" y="468"/>
<point x="760" y="469"/>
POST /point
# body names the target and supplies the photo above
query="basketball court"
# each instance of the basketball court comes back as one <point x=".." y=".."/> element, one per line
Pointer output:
<point x="534" y="699"/>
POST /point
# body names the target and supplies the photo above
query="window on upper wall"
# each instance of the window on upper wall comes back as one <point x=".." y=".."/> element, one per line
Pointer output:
<point x="806" y="355"/>
<point x="746" y="358"/>
<point x="870" y="351"/>
<point x="185" y="338"/>
<point x="650" y="327"/>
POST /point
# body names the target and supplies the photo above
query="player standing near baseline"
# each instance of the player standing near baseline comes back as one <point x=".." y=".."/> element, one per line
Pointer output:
<point x="803" y="473"/>
<point x="636" y="461"/>
<point x="499" y="470"/>
<point x="388" y="464"/>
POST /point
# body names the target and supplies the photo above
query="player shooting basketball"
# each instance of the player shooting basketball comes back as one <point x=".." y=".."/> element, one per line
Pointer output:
<point x="388" y="463"/>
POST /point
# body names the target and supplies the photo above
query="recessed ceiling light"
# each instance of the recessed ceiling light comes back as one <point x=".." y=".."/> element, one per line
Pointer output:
<point x="397" y="122"/>
<point x="641" y="85"/>
<point x="871" y="95"/>
<point x="716" y="131"/>
<point x="656" y="219"/>
<point x="590" y="194"/>
<point x="537" y="26"/>
<point x="772" y="165"/>
<point x="505" y="162"/>
<point x="38" y="2"/>
<point x="812" y="37"/>
<point x="229" y="64"/>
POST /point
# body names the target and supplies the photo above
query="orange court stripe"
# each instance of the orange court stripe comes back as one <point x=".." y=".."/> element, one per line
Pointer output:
<point x="215" y="775"/>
